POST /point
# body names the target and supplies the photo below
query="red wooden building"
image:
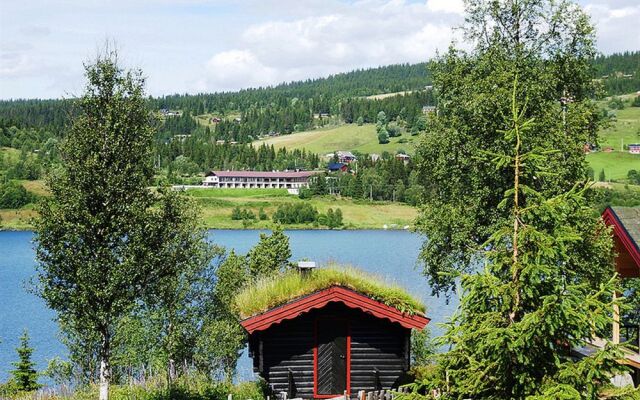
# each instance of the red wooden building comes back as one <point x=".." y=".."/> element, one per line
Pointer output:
<point x="331" y="341"/>
<point x="625" y="223"/>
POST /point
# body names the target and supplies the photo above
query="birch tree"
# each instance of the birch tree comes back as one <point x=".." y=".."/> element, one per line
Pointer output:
<point x="103" y="235"/>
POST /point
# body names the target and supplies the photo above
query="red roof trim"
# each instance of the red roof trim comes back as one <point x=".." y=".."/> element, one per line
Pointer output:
<point x="333" y="294"/>
<point x="610" y="218"/>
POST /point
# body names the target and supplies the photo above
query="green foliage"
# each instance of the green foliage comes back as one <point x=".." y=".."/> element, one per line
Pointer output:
<point x="189" y="387"/>
<point x="601" y="176"/>
<point x="105" y="242"/>
<point x="461" y="189"/>
<point x="383" y="136"/>
<point x="14" y="195"/>
<point x="262" y="215"/>
<point x="242" y="214"/>
<point x="423" y="350"/>
<point x="24" y="375"/>
<point x="360" y="121"/>
<point x="545" y="289"/>
<point x="331" y="219"/>
<point x="636" y="102"/>
<point x="616" y="103"/>
<point x="297" y="213"/>
<point x="271" y="254"/>
<point x="634" y="177"/>
<point x="278" y="289"/>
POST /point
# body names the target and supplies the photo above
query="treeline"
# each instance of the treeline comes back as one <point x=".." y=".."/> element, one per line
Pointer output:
<point x="361" y="82"/>
<point x="619" y="72"/>
<point x="198" y="153"/>
<point x="387" y="179"/>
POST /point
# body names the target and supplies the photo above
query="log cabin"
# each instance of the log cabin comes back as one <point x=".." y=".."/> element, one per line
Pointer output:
<point x="332" y="341"/>
<point x="625" y="228"/>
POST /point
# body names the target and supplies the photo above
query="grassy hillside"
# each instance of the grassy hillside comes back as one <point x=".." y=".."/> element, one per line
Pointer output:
<point x="625" y="130"/>
<point x="344" y="137"/>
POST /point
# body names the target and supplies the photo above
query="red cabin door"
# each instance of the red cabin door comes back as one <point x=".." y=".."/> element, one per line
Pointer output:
<point x="332" y="350"/>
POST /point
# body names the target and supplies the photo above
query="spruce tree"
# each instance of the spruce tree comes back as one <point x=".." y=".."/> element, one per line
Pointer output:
<point x="531" y="304"/>
<point x="25" y="376"/>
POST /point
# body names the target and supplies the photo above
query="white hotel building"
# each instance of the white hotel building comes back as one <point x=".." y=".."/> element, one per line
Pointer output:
<point x="292" y="180"/>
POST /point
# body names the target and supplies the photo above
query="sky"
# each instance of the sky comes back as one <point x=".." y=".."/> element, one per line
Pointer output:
<point x="192" y="46"/>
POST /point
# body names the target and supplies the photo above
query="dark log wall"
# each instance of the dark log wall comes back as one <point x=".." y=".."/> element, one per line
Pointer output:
<point x="379" y="351"/>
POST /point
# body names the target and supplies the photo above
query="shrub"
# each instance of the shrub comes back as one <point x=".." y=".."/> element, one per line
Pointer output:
<point x="14" y="195"/>
<point x="636" y="102"/>
<point x="634" y="177"/>
<point x="242" y="214"/>
<point x="616" y="103"/>
<point x="299" y="213"/>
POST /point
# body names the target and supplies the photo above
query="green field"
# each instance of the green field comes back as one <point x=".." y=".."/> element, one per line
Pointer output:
<point x="349" y="137"/>
<point x="217" y="204"/>
<point x="625" y="130"/>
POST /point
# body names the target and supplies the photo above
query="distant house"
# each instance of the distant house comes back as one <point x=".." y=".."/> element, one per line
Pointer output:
<point x="220" y="142"/>
<point x="335" y="167"/>
<point x="216" y="119"/>
<point x="374" y="157"/>
<point x="634" y="148"/>
<point x="428" y="109"/>
<point x="403" y="157"/>
<point x="258" y="179"/>
<point x="346" y="157"/>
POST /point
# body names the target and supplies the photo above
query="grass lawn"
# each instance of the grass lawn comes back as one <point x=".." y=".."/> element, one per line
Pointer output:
<point x="350" y="137"/>
<point x="217" y="206"/>
<point x="616" y="164"/>
<point x="625" y="130"/>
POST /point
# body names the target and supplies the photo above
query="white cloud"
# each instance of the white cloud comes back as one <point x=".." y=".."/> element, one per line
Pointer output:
<point x="448" y="6"/>
<point x="616" y="24"/>
<point x="208" y="45"/>
<point x="365" y="34"/>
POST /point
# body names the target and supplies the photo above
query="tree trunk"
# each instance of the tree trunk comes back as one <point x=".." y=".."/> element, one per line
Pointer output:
<point x="105" y="368"/>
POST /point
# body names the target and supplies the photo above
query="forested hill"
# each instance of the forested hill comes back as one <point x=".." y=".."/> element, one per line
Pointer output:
<point x="247" y="114"/>
<point x="619" y="72"/>
<point x="361" y="82"/>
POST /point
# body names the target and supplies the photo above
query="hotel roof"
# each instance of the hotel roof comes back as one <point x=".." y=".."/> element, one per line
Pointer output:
<point x="262" y="174"/>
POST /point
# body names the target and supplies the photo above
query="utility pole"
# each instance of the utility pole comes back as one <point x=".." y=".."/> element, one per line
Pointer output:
<point x="370" y="192"/>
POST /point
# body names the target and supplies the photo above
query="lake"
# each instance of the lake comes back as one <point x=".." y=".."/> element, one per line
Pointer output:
<point x="390" y="254"/>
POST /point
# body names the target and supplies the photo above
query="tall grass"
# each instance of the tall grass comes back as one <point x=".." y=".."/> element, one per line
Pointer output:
<point x="274" y="291"/>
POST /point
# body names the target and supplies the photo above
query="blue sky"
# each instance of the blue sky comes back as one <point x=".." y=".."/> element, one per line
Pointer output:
<point x="190" y="46"/>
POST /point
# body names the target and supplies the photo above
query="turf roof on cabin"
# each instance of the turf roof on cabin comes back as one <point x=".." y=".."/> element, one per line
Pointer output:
<point x="281" y="289"/>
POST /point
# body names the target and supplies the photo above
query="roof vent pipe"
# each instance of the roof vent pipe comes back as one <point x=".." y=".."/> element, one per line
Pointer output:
<point x="305" y="267"/>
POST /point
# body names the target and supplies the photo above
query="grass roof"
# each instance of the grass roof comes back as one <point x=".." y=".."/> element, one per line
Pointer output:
<point x="281" y="289"/>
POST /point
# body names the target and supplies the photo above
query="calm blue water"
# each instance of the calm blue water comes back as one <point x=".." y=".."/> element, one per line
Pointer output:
<point x="390" y="254"/>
